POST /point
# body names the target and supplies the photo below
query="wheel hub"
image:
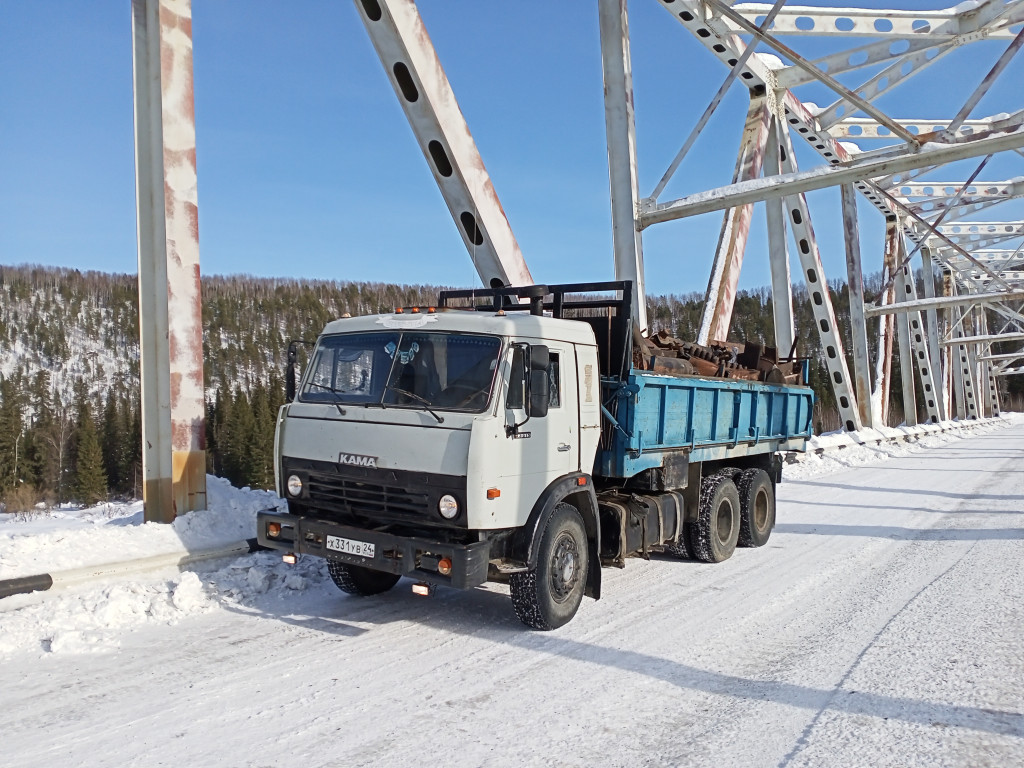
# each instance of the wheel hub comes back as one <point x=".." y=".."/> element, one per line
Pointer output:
<point x="564" y="569"/>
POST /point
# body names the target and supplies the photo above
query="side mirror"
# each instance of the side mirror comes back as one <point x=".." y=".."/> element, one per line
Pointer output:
<point x="539" y="387"/>
<point x="290" y="384"/>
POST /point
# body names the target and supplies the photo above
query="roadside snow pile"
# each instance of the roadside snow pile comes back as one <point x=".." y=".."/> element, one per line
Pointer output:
<point x="843" y="450"/>
<point x="94" y="618"/>
<point x="63" y="539"/>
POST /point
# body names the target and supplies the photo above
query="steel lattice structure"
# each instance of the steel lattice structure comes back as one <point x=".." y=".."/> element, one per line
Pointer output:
<point x="943" y="345"/>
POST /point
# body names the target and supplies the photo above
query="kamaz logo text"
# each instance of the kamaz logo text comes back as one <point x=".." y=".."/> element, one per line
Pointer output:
<point x="355" y="460"/>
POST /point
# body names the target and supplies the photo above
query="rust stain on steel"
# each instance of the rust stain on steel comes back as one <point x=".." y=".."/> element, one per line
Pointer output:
<point x="181" y="212"/>
<point x="189" y="486"/>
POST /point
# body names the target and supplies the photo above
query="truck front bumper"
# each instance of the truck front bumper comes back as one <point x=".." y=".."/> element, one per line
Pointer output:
<point x="404" y="555"/>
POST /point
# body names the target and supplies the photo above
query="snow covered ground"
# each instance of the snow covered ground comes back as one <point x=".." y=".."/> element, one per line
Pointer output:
<point x="881" y="625"/>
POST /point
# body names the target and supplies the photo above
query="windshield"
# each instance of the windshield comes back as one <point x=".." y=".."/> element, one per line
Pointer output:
<point x="440" y="371"/>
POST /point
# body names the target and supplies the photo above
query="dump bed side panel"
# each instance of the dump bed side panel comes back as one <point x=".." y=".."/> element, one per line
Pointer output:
<point x="708" y="418"/>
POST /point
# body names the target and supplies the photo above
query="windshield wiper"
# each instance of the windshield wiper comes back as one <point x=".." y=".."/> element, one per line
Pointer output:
<point x="417" y="398"/>
<point x="334" y="392"/>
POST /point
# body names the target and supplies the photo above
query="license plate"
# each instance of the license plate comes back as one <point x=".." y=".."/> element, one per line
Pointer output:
<point x="351" y="546"/>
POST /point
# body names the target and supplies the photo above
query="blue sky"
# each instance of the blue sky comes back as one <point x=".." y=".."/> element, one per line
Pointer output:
<point x="307" y="167"/>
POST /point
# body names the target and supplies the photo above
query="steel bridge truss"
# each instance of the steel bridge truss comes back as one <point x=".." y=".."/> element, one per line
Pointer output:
<point x="937" y="229"/>
<point x="945" y="343"/>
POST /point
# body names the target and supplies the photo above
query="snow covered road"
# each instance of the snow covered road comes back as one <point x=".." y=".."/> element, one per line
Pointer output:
<point x="882" y="625"/>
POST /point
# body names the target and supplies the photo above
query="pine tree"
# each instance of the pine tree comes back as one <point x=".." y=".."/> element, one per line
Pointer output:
<point x="90" y="477"/>
<point x="113" y="436"/>
<point x="11" y="435"/>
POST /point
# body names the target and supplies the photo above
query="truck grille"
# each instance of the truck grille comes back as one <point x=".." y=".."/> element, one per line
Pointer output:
<point x="359" y="496"/>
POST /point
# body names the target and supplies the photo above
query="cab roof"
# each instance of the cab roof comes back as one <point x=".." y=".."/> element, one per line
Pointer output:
<point x="516" y="324"/>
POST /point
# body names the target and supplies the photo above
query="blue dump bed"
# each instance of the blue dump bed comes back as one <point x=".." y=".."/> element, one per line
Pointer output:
<point x="649" y="417"/>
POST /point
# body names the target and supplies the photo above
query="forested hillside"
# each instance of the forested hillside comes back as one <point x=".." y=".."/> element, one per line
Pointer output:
<point x="69" y="392"/>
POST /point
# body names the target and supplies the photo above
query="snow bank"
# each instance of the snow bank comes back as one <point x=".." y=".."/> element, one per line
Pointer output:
<point x="94" y="617"/>
<point x="62" y="539"/>
<point x="836" y="451"/>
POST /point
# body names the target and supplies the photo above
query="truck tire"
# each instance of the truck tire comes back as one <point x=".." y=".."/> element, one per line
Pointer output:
<point x="548" y="596"/>
<point x="757" y="508"/>
<point x="356" y="580"/>
<point x="682" y="549"/>
<point x="717" y="528"/>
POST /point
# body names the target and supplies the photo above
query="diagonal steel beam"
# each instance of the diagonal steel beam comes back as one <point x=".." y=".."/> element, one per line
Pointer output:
<point x="425" y="95"/>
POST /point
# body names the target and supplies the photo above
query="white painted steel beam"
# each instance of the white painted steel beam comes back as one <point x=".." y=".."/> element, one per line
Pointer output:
<point x="620" y="131"/>
<point x="921" y="356"/>
<point x="858" y="128"/>
<point x="943" y="303"/>
<point x="827" y="176"/>
<point x="424" y="93"/>
<point x="1013" y="356"/>
<point x="947" y="24"/>
<point x="799" y="218"/>
<point x="170" y="311"/>
<point x="984" y="338"/>
<point x="778" y="250"/>
<point x="932" y="332"/>
<point x="858" y="321"/>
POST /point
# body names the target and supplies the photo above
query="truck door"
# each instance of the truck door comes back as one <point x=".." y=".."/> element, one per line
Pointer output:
<point x="547" y="446"/>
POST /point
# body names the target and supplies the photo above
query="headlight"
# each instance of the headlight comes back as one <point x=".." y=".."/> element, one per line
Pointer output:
<point x="294" y="485"/>
<point x="448" y="506"/>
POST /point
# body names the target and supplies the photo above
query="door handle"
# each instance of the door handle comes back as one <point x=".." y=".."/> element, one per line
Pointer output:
<point x="564" y="447"/>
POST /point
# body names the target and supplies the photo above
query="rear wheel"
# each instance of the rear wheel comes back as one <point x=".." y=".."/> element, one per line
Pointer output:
<point x="717" y="528"/>
<point x="356" y="580"/>
<point x="757" y="507"/>
<point x="683" y="548"/>
<point x="549" y="595"/>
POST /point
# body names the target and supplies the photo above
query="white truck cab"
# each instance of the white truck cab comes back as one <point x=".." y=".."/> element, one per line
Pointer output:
<point x="425" y="443"/>
<point x="437" y="400"/>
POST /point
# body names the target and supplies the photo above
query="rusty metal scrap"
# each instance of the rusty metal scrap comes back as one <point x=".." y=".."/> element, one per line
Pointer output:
<point x="664" y="354"/>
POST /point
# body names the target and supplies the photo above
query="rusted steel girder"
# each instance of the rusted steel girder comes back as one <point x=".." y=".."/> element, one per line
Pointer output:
<point x="170" y="312"/>
<point x="732" y="240"/>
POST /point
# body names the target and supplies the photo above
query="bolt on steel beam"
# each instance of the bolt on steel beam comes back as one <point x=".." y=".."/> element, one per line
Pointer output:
<point x="170" y="311"/>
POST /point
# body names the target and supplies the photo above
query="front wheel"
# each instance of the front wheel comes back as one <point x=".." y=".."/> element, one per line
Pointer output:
<point x="549" y="595"/>
<point x="356" y="580"/>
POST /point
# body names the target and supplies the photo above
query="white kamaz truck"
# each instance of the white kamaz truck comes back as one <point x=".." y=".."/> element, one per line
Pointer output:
<point x="518" y="441"/>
